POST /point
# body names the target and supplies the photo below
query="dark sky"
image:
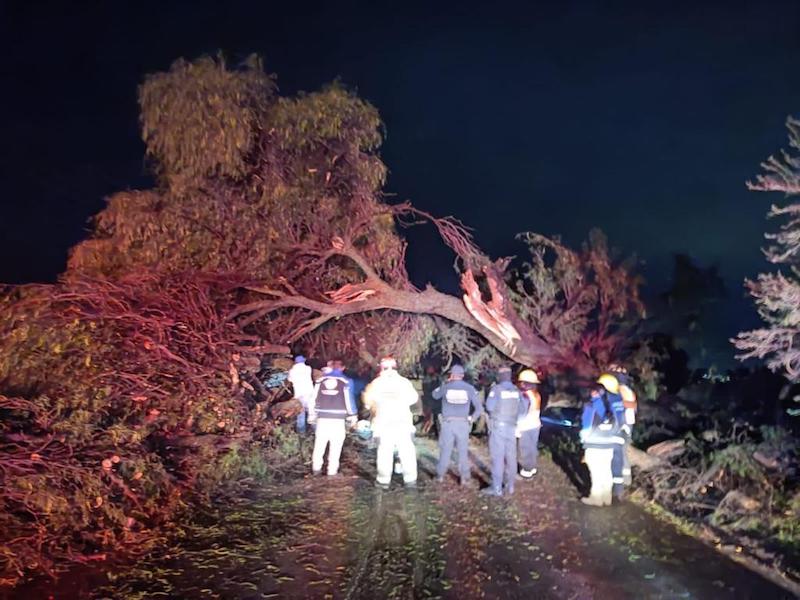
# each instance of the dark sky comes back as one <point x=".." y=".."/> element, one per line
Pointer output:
<point x="554" y="117"/>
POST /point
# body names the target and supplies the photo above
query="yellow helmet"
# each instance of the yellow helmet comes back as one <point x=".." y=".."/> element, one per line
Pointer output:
<point x="528" y="376"/>
<point x="609" y="382"/>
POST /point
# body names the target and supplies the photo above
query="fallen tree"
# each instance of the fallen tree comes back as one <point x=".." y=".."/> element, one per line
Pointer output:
<point x="123" y="385"/>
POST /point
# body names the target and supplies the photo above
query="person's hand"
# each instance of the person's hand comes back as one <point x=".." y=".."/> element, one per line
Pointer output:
<point x="352" y="420"/>
<point x="626" y="428"/>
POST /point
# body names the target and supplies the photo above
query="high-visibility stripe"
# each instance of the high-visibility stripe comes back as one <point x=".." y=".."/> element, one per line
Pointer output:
<point x="617" y="480"/>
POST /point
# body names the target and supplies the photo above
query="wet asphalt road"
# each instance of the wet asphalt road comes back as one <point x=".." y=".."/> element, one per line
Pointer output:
<point x="342" y="538"/>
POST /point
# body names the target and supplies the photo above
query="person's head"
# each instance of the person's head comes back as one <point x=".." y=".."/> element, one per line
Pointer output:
<point x="299" y="359"/>
<point x="336" y="364"/>
<point x="388" y="363"/>
<point x="504" y="374"/>
<point x="620" y="372"/>
<point x="528" y="379"/>
<point x="457" y="372"/>
<point x="609" y="383"/>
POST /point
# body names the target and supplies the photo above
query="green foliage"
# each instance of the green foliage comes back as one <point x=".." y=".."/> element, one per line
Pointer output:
<point x="201" y="119"/>
<point x="585" y="302"/>
<point x="99" y="383"/>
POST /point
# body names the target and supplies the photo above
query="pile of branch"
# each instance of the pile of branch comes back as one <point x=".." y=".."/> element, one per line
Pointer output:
<point x="102" y="383"/>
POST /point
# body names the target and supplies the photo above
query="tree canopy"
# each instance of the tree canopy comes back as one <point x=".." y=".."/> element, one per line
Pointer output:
<point x="287" y="193"/>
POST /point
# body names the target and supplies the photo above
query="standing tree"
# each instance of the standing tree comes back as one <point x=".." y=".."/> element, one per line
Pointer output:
<point x="777" y="295"/>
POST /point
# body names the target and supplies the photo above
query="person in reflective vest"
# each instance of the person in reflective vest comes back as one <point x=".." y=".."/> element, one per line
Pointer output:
<point x="505" y="407"/>
<point x="389" y="398"/>
<point x="530" y="424"/>
<point x="303" y="389"/>
<point x="630" y="406"/>
<point x="457" y="397"/>
<point x="611" y="385"/>
<point x="332" y="409"/>
<point x="599" y="434"/>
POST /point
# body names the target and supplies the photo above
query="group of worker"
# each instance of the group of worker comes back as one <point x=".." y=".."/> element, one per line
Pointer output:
<point x="512" y="414"/>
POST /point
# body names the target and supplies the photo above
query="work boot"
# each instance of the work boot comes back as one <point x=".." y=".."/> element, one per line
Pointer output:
<point x="466" y="481"/>
<point x="439" y="479"/>
<point x="317" y="472"/>
<point x="509" y="490"/>
<point x="527" y="473"/>
<point x="382" y="486"/>
<point x="490" y="491"/>
<point x="410" y="485"/>
<point x="592" y="501"/>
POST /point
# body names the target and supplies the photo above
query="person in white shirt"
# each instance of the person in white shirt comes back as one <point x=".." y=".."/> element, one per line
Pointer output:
<point x="390" y="397"/>
<point x="303" y="388"/>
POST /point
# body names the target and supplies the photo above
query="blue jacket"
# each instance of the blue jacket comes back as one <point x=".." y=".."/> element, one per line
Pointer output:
<point x="593" y="433"/>
<point x="457" y="395"/>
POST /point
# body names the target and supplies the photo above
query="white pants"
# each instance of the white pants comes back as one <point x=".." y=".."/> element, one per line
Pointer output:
<point x="399" y="439"/>
<point x="329" y="431"/>
<point x="598" y="460"/>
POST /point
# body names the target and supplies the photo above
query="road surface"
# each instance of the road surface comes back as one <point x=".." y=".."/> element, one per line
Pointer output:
<point x="343" y="538"/>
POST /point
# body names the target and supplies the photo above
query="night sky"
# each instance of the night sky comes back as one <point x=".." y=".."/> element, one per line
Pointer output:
<point x="554" y="117"/>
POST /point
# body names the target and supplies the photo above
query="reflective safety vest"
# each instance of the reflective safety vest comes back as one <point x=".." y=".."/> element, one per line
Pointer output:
<point x="505" y="399"/>
<point x="629" y="402"/>
<point x="531" y="419"/>
<point x="332" y="401"/>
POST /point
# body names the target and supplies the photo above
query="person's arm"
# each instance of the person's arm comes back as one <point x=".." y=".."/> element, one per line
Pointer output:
<point x="369" y="400"/>
<point x="312" y="404"/>
<point x="438" y="392"/>
<point x="536" y="407"/>
<point x="476" y="404"/>
<point x="491" y="401"/>
<point x="412" y="395"/>
<point x="350" y="402"/>
<point x="587" y="419"/>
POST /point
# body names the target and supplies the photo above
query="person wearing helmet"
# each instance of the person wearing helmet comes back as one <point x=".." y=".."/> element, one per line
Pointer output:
<point x="457" y="396"/>
<point x="629" y="405"/>
<point x="610" y="382"/>
<point x="599" y="433"/>
<point x="530" y="424"/>
<point x="303" y="389"/>
<point x="333" y="406"/>
<point x="389" y="397"/>
<point x="505" y="407"/>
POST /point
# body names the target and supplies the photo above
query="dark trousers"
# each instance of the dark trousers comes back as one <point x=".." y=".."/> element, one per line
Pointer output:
<point x="529" y="449"/>
<point x="617" y="468"/>
<point x="503" y="453"/>
<point x="454" y="432"/>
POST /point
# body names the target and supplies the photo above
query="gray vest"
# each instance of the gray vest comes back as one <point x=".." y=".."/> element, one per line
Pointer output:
<point x="507" y="408"/>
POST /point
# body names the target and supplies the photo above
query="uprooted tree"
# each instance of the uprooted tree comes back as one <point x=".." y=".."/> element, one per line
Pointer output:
<point x="777" y="295"/>
<point x="267" y="229"/>
<point x="287" y="191"/>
